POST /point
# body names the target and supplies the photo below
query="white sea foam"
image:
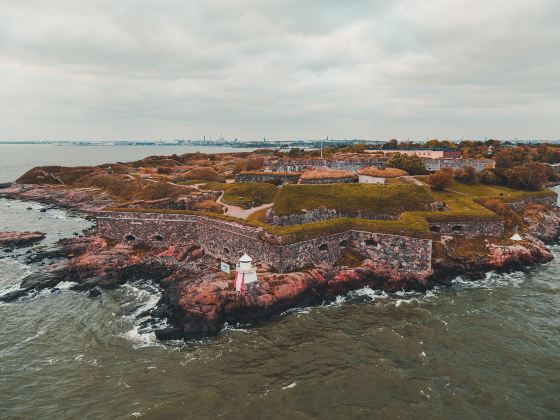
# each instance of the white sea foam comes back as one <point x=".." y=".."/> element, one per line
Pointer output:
<point x="290" y="386"/>
<point x="66" y="285"/>
<point x="492" y="280"/>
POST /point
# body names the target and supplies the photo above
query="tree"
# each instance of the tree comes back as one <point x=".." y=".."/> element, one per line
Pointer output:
<point x="531" y="176"/>
<point x="503" y="159"/>
<point x="391" y="144"/>
<point x="488" y="176"/>
<point x="466" y="175"/>
<point x="411" y="164"/>
<point x="441" y="180"/>
<point x="296" y="152"/>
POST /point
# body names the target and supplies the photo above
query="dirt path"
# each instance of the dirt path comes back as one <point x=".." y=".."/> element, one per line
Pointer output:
<point x="240" y="212"/>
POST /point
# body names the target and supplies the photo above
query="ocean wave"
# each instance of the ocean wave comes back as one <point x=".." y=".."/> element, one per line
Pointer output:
<point x="492" y="280"/>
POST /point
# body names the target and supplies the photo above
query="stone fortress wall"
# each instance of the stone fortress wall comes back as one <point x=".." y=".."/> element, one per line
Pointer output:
<point x="469" y="229"/>
<point x="353" y="165"/>
<point x="227" y="241"/>
<point x="547" y="200"/>
<point x="272" y="177"/>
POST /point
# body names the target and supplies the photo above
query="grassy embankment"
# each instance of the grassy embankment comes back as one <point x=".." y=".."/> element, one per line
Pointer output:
<point x="352" y="198"/>
<point x="245" y="195"/>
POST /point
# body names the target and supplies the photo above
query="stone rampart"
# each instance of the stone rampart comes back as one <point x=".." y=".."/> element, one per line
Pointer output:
<point x="469" y="229"/>
<point x="271" y="177"/>
<point x="547" y="200"/>
<point x="329" y="180"/>
<point x="227" y="241"/>
<point x="352" y="165"/>
<point x="319" y="214"/>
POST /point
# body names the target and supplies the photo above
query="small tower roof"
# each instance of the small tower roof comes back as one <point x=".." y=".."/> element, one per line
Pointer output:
<point x="516" y="237"/>
<point x="245" y="258"/>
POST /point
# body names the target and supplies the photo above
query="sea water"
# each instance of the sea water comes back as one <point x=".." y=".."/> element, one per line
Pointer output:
<point x="486" y="349"/>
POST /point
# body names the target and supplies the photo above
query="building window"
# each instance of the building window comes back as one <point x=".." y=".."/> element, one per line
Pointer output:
<point x="158" y="238"/>
<point x="130" y="238"/>
<point x="457" y="229"/>
<point x="226" y="250"/>
<point x="435" y="229"/>
<point x="323" y="247"/>
<point x="343" y="244"/>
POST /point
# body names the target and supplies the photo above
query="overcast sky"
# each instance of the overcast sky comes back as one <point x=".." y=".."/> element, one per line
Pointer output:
<point x="136" y="69"/>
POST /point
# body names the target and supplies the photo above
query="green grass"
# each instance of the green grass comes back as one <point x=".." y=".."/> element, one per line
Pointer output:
<point x="462" y="207"/>
<point x="408" y="225"/>
<point x="245" y="195"/>
<point x="352" y="198"/>
<point x="496" y="191"/>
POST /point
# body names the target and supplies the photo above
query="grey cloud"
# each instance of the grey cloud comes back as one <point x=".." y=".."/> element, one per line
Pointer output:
<point x="285" y="69"/>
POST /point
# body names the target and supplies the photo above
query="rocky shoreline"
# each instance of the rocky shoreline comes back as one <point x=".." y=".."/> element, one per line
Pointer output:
<point x="198" y="300"/>
<point x="20" y="239"/>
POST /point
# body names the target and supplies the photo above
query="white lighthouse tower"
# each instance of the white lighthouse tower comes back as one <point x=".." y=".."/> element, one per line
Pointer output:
<point x="246" y="274"/>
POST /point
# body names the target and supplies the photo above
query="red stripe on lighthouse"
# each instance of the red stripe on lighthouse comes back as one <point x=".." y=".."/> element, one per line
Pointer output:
<point x="243" y="283"/>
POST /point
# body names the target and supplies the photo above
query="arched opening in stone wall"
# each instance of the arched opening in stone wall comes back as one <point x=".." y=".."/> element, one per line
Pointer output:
<point x="226" y="250"/>
<point x="343" y="244"/>
<point x="435" y="229"/>
<point x="323" y="247"/>
<point x="371" y="242"/>
<point x="158" y="238"/>
<point x="457" y="229"/>
<point x="130" y="238"/>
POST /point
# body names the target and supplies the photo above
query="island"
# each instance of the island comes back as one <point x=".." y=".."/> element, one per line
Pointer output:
<point x="310" y="224"/>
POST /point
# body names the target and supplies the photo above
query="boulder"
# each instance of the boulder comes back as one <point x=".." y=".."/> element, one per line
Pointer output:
<point x="17" y="239"/>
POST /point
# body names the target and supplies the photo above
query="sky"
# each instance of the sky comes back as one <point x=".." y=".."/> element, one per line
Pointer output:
<point x="289" y="69"/>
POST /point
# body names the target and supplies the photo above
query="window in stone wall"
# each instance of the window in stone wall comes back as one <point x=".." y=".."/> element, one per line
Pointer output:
<point x="371" y="242"/>
<point x="158" y="238"/>
<point x="323" y="247"/>
<point x="226" y="250"/>
<point x="343" y="244"/>
<point x="130" y="238"/>
<point x="457" y="229"/>
<point x="435" y="229"/>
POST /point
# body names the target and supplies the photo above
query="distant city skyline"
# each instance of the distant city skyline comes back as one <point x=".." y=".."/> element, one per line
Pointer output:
<point x="284" y="70"/>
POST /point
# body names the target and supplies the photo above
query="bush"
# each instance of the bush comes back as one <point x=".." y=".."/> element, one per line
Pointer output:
<point x="411" y="164"/>
<point x="164" y="170"/>
<point x="531" y="176"/>
<point x="489" y="177"/>
<point x="441" y="180"/>
<point x="466" y="175"/>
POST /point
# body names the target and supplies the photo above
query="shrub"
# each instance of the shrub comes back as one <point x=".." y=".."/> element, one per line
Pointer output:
<point x="488" y="176"/>
<point x="164" y="170"/>
<point x="411" y="164"/>
<point x="466" y="175"/>
<point x="531" y="176"/>
<point x="441" y="180"/>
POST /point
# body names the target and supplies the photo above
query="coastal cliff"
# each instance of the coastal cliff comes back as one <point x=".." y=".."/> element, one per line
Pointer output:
<point x="198" y="299"/>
